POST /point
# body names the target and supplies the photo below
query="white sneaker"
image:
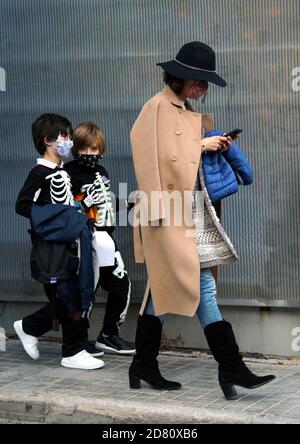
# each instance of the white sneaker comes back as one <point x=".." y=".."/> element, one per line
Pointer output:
<point x="82" y="360"/>
<point x="30" y="343"/>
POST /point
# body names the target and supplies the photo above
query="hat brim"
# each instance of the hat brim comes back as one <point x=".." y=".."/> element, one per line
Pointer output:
<point x="182" y="72"/>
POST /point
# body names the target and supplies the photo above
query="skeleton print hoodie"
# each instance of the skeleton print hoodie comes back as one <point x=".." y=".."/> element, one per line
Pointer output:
<point x="47" y="183"/>
<point x="94" y="181"/>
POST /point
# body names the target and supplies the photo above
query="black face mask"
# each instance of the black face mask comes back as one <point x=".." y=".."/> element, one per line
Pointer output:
<point x="88" y="160"/>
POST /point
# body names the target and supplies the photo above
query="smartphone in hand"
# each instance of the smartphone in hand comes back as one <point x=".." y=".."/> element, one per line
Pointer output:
<point x="233" y="134"/>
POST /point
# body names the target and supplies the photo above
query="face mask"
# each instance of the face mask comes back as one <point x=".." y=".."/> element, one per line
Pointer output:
<point x="63" y="147"/>
<point x="88" y="160"/>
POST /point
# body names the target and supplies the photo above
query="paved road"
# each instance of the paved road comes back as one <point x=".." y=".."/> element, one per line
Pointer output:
<point x="43" y="391"/>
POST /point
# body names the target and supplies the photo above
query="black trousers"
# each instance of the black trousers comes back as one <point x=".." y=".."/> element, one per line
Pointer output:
<point x="115" y="280"/>
<point x="74" y="332"/>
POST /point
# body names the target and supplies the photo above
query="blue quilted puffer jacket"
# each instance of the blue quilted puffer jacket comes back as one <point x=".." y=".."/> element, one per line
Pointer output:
<point x="224" y="172"/>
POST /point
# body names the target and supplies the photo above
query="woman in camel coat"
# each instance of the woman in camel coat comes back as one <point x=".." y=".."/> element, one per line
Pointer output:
<point x="179" y="235"/>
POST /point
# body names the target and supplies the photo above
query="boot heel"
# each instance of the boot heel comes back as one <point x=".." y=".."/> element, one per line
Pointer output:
<point x="229" y="391"/>
<point x="134" y="382"/>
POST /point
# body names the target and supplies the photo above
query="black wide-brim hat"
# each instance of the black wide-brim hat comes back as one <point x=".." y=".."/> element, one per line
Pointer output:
<point x="194" y="61"/>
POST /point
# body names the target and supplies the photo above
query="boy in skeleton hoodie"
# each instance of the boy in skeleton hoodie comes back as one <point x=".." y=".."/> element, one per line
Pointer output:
<point x="47" y="185"/>
<point x="91" y="187"/>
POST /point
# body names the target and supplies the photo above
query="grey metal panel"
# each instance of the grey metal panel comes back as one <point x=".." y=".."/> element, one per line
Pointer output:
<point x="95" y="60"/>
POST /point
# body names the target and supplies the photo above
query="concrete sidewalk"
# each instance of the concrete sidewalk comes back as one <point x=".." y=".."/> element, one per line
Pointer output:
<point x="43" y="391"/>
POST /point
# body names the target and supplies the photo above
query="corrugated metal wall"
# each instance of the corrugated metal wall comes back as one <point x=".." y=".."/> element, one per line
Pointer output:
<point x="95" y="59"/>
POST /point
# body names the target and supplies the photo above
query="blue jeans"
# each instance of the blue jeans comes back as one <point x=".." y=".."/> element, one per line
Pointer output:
<point x="208" y="311"/>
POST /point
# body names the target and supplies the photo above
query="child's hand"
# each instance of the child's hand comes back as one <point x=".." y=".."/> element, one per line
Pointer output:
<point x="91" y="196"/>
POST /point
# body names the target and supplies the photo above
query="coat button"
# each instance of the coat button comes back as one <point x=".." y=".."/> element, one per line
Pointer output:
<point x="178" y="131"/>
<point x="173" y="157"/>
<point x="170" y="186"/>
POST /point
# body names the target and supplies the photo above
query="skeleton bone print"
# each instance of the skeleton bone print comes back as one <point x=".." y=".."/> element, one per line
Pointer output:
<point x="100" y="189"/>
<point x="60" y="188"/>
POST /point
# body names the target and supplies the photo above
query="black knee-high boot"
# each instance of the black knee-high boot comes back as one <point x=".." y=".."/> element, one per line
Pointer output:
<point x="144" y="365"/>
<point x="232" y="370"/>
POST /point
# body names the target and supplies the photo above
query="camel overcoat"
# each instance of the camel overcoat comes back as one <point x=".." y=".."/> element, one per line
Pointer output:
<point x="166" y="153"/>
